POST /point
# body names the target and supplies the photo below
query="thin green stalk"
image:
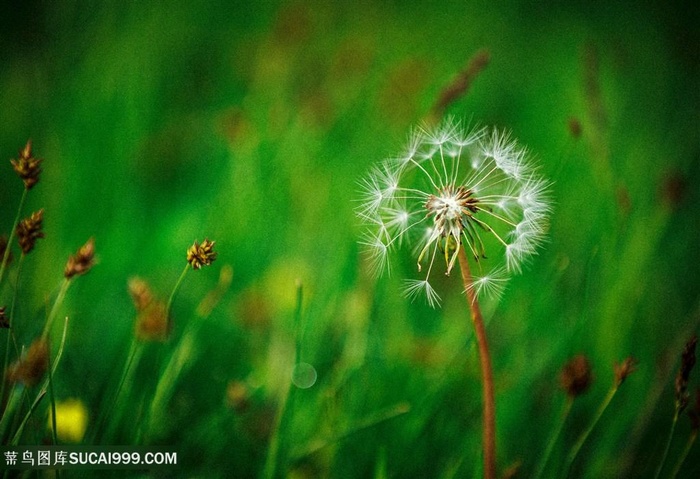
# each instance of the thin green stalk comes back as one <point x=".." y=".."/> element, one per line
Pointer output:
<point x="182" y="355"/>
<point x="5" y="364"/>
<point x="684" y="454"/>
<point x="52" y="400"/>
<point x="660" y="467"/>
<point x="133" y="357"/>
<point x="297" y="323"/>
<point x="44" y="387"/>
<point x="13" y="400"/>
<point x="12" y="235"/>
<point x="374" y="419"/>
<point x="169" y="375"/>
<point x="11" y="331"/>
<point x="554" y="437"/>
<point x="583" y="437"/>
<point x="172" y="295"/>
<point x="273" y="452"/>
<point x="57" y="303"/>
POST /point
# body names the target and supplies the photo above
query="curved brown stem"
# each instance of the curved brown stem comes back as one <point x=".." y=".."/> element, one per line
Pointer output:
<point x="487" y="376"/>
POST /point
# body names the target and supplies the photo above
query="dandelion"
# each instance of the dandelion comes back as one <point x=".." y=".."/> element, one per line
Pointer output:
<point x="456" y="189"/>
<point x="458" y="195"/>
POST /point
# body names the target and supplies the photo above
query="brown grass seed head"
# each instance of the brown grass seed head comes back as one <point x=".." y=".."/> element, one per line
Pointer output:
<point x="152" y="319"/>
<point x="27" y="167"/>
<point x="29" y="230"/>
<point x="576" y="376"/>
<point x="624" y="369"/>
<point x="32" y="368"/>
<point x="82" y="261"/>
<point x="140" y="293"/>
<point x="201" y="255"/>
<point x="152" y="322"/>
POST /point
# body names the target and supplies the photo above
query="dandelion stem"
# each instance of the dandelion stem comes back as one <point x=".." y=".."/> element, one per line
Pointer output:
<point x="684" y="454"/>
<point x="555" y="436"/>
<point x="487" y="376"/>
<point x="660" y="467"/>
<point x="12" y="234"/>
<point x="584" y="436"/>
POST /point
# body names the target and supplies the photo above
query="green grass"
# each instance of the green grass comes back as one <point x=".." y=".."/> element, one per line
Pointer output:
<point x="251" y="125"/>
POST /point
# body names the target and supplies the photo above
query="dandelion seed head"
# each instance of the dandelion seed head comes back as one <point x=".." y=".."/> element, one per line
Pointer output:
<point x="454" y="188"/>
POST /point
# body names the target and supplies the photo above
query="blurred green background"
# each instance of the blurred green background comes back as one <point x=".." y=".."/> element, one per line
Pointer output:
<point x="251" y="124"/>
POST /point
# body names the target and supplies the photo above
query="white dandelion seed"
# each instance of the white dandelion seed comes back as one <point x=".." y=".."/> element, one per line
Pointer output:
<point x="454" y="188"/>
<point x="491" y="285"/>
<point x="419" y="287"/>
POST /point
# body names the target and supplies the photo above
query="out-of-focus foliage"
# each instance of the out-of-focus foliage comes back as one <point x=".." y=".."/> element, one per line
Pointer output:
<point x="250" y="123"/>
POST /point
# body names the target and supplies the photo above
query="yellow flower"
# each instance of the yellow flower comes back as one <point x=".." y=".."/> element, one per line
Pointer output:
<point x="71" y="420"/>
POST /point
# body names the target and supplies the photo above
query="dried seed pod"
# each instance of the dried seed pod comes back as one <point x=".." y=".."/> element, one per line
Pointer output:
<point x="27" y="167"/>
<point x="82" y="261"/>
<point x="29" y="230"/>
<point x="201" y="255"/>
<point x="576" y="376"/>
<point x="32" y="368"/>
<point x="624" y="369"/>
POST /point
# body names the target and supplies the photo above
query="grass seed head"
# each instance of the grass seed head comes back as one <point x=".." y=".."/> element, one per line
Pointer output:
<point x="82" y="261"/>
<point x="32" y="368"/>
<point x="576" y="376"/>
<point x="29" y="230"/>
<point x="27" y="167"/>
<point x="152" y="322"/>
<point x="199" y="255"/>
<point x="624" y="369"/>
<point x="152" y="319"/>
<point x="140" y="293"/>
